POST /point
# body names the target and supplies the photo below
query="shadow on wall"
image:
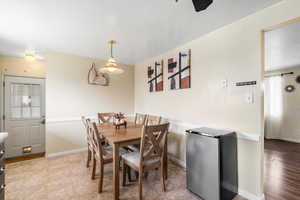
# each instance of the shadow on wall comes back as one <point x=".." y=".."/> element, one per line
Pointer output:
<point x="177" y="145"/>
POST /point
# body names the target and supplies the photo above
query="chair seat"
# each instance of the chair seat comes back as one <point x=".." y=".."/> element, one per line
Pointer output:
<point x="137" y="147"/>
<point x="134" y="147"/>
<point x="133" y="159"/>
<point x="109" y="152"/>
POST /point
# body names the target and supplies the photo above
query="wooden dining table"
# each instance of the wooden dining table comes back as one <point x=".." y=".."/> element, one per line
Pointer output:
<point x="123" y="137"/>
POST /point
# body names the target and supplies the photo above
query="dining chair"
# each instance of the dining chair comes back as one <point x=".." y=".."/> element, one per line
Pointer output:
<point x="101" y="155"/>
<point x="106" y="117"/>
<point x="140" y="119"/>
<point x="148" y="159"/>
<point x="153" y="120"/>
<point x="88" y="139"/>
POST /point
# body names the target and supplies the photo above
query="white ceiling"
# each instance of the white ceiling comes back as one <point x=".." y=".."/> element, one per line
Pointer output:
<point x="283" y="47"/>
<point x="143" y="28"/>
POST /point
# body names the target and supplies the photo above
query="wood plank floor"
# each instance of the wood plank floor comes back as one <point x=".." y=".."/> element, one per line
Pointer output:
<point x="282" y="170"/>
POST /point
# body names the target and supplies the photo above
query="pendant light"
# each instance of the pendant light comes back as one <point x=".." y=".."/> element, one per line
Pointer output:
<point x="29" y="57"/>
<point x="111" y="66"/>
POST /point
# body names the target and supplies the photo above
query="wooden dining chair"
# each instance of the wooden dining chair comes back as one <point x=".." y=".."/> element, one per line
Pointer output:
<point x="140" y="119"/>
<point x="153" y="120"/>
<point x="88" y="139"/>
<point x="100" y="154"/>
<point x="148" y="159"/>
<point x="106" y="117"/>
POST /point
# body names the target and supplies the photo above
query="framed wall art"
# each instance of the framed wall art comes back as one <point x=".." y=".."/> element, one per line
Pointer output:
<point x="155" y="77"/>
<point x="179" y="71"/>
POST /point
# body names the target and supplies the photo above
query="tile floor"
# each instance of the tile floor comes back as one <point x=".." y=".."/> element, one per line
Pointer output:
<point x="67" y="178"/>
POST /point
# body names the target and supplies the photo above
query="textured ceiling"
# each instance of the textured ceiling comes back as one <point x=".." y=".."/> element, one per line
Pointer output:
<point x="283" y="47"/>
<point x="143" y="28"/>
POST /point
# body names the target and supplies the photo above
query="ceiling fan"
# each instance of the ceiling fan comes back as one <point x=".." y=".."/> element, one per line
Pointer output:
<point x="201" y="4"/>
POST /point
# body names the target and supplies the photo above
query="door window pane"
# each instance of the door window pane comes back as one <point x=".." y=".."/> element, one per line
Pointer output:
<point x="16" y="112"/>
<point x="25" y="101"/>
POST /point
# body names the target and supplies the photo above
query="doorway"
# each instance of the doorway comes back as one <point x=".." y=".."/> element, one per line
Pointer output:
<point x="24" y="115"/>
<point x="282" y="111"/>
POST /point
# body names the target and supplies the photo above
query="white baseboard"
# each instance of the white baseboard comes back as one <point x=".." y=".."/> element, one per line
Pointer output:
<point x="250" y="196"/>
<point x="290" y="140"/>
<point x="53" y="155"/>
<point x="179" y="162"/>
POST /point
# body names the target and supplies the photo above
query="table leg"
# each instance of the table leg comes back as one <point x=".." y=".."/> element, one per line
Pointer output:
<point x="116" y="167"/>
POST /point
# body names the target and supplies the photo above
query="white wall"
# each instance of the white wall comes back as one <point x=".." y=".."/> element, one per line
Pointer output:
<point x="233" y="53"/>
<point x="68" y="97"/>
<point x="290" y="127"/>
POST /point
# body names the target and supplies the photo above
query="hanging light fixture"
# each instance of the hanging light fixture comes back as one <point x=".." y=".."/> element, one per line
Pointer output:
<point x="29" y="57"/>
<point x="111" y="66"/>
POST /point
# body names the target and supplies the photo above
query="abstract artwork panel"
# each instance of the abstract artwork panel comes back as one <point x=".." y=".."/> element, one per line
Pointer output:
<point x="155" y="77"/>
<point x="179" y="71"/>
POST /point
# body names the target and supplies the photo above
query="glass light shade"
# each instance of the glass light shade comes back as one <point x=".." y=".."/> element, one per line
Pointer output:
<point x="111" y="67"/>
<point x="29" y="56"/>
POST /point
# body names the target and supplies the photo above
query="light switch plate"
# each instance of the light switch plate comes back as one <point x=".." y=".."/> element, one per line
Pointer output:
<point x="224" y="83"/>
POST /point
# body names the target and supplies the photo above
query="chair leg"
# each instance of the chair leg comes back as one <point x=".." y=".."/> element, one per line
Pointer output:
<point x="162" y="178"/>
<point x="124" y="170"/>
<point x="129" y="174"/>
<point x="94" y="169"/>
<point x="146" y="175"/>
<point x="88" y="159"/>
<point x="140" y="185"/>
<point x="101" y="177"/>
<point x="136" y="175"/>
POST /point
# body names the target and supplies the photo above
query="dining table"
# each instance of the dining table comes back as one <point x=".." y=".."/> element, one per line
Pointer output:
<point x="123" y="137"/>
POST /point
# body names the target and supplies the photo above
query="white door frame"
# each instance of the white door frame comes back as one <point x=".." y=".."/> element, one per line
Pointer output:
<point x="3" y="103"/>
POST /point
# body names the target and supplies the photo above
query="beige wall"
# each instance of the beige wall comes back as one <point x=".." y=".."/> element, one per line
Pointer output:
<point x="233" y="53"/>
<point x="290" y="127"/>
<point x="68" y="96"/>
<point x="18" y="67"/>
<point x="21" y="67"/>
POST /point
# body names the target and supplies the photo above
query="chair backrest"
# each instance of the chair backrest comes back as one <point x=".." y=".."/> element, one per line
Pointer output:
<point x="96" y="139"/>
<point x="153" y="142"/>
<point x="153" y="120"/>
<point x="106" y="117"/>
<point x="140" y="119"/>
<point x="86" y="126"/>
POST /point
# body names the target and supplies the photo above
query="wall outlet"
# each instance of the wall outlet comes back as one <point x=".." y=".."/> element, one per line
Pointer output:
<point x="249" y="98"/>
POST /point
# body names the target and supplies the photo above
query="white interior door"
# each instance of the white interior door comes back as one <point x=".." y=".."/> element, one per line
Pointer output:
<point x="24" y="115"/>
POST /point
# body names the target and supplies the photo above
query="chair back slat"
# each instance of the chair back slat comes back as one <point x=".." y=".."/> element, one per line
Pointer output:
<point x="153" y="137"/>
<point x="106" y="117"/>
<point x="140" y="119"/>
<point x="153" y="120"/>
<point x="97" y="140"/>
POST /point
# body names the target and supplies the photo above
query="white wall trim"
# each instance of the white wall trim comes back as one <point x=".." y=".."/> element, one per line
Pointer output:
<point x="66" y="119"/>
<point x="176" y="126"/>
<point x="179" y="162"/>
<point x="250" y="196"/>
<point x="181" y="127"/>
<point x="290" y="140"/>
<point x="71" y="119"/>
<point x="53" y="155"/>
